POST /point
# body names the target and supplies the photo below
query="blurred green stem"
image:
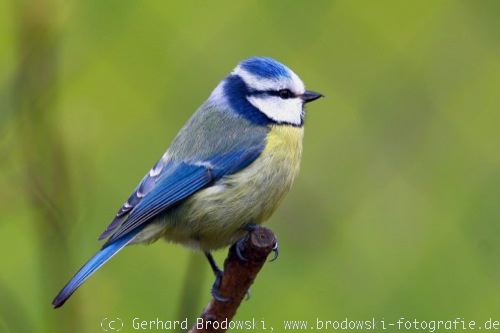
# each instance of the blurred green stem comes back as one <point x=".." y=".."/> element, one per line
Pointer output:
<point x="47" y="182"/>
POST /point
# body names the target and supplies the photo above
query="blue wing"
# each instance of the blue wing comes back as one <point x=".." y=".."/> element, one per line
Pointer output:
<point x="177" y="181"/>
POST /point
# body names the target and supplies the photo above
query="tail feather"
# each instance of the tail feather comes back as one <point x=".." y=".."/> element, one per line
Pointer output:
<point x="99" y="259"/>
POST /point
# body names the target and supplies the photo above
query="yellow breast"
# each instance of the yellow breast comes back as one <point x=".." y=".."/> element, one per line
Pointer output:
<point x="280" y="162"/>
<point x="285" y="141"/>
<point x="214" y="217"/>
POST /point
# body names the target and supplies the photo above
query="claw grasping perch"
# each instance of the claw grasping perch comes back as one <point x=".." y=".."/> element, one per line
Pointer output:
<point x="238" y="277"/>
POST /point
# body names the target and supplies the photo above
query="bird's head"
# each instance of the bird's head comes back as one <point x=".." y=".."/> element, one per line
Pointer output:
<point x="266" y="92"/>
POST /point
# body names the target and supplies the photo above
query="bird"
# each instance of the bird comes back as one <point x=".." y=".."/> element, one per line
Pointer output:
<point x="226" y="171"/>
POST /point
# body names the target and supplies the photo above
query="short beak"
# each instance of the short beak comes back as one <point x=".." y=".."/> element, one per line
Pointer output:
<point x="309" y="96"/>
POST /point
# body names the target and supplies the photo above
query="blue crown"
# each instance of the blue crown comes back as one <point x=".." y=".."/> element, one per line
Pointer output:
<point x="265" y="67"/>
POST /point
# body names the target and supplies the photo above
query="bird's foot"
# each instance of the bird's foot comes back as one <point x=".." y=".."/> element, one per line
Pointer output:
<point x="218" y="278"/>
<point x="276" y="249"/>
<point x="240" y="245"/>
<point x="216" y="287"/>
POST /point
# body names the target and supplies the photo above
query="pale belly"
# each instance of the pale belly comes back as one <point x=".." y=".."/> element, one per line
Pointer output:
<point x="215" y="217"/>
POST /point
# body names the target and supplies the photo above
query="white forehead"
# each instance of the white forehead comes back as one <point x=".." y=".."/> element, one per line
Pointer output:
<point x="255" y="82"/>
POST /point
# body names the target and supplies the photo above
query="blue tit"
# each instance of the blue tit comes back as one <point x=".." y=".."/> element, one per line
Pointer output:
<point x="227" y="169"/>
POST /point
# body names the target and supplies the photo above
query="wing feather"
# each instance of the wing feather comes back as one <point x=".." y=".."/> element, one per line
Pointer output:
<point x="145" y="186"/>
<point x="177" y="181"/>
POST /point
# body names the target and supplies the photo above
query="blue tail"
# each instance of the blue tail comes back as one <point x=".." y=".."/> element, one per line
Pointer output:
<point x="91" y="266"/>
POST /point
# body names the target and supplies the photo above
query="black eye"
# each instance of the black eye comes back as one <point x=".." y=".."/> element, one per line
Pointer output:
<point x="285" y="93"/>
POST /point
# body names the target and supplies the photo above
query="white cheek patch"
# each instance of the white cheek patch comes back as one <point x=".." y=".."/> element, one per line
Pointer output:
<point x="280" y="110"/>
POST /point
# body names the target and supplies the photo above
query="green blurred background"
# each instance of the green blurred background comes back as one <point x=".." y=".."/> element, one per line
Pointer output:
<point x="396" y="210"/>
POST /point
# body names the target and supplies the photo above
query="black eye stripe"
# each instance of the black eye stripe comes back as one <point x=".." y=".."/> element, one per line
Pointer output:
<point x="283" y="93"/>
